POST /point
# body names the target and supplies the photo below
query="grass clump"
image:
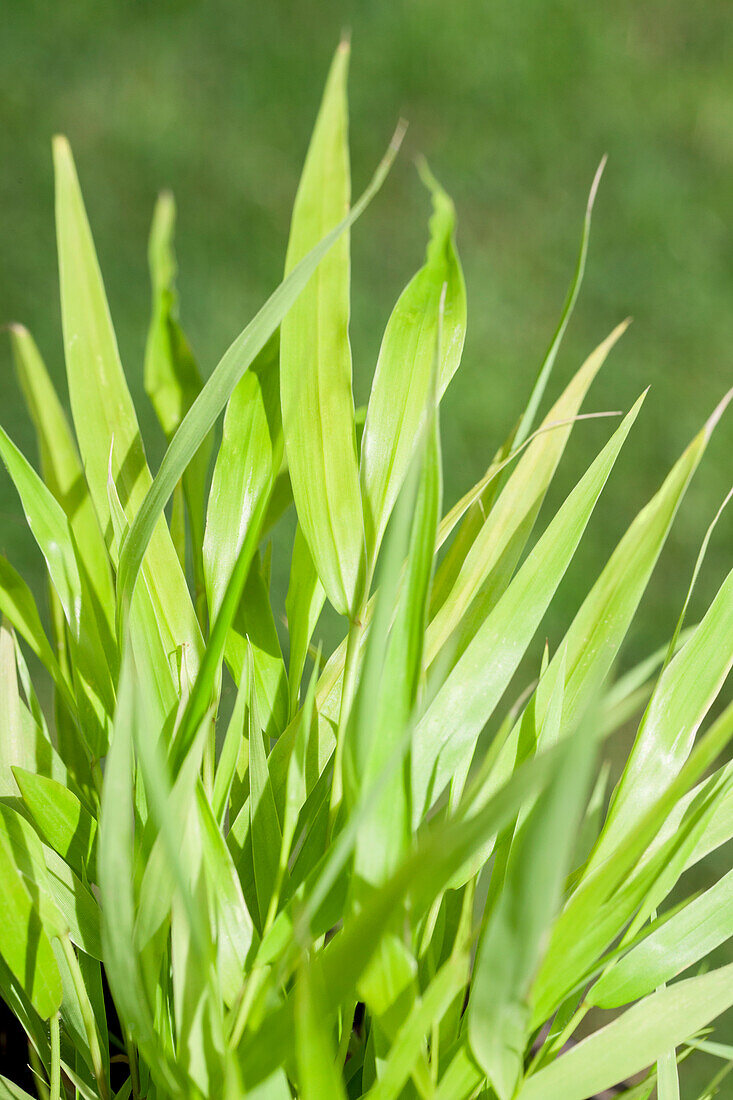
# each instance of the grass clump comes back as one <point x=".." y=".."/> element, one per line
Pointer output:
<point x="346" y="886"/>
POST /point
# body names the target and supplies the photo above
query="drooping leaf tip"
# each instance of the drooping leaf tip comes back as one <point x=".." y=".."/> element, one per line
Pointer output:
<point x="398" y="135"/>
<point x="427" y="177"/>
<point x="712" y="422"/>
<point x="596" y="183"/>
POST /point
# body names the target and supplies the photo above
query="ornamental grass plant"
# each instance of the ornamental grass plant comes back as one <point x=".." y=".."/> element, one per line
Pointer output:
<point x="392" y="870"/>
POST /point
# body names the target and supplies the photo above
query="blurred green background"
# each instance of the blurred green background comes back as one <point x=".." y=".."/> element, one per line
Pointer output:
<point x="513" y="104"/>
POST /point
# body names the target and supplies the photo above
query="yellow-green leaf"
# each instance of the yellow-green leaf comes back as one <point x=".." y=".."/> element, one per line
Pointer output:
<point x="435" y="298"/>
<point x="61" y="468"/>
<point x="103" y="412"/>
<point x="315" y="361"/>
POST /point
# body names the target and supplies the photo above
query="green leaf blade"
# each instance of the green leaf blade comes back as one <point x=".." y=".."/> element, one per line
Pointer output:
<point x="103" y="412"/>
<point x="635" y="1040"/>
<point x="479" y="678"/>
<point x="315" y="361"/>
<point x="433" y="300"/>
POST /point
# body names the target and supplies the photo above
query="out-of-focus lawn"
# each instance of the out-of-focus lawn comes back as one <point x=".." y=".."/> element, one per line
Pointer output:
<point x="513" y="104"/>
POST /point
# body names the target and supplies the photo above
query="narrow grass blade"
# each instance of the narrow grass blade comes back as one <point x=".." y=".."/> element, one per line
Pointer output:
<point x="235" y="929"/>
<point x="303" y="606"/>
<point x="153" y="646"/>
<point x="246" y="466"/>
<point x="159" y="879"/>
<point x="230" y="750"/>
<point x="264" y="822"/>
<point x="634" y="1040"/>
<point x="117" y="868"/>
<point x="25" y="739"/>
<point x="62" y="470"/>
<point x="396" y="676"/>
<point x="525" y="424"/>
<point x="668" y="1081"/>
<point x="599" y="628"/>
<point x="446" y="736"/>
<point x="515" y="936"/>
<point x="72" y="1014"/>
<point x="103" y="412"/>
<point x="686" y="690"/>
<point x="718" y="1050"/>
<point x="720" y="826"/>
<point x="359" y="737"/>
<point x="49" y="525"/>
<point x="28" y="690"/>
<point x="318" y="1074"/>
<point x="11" y="1091"/>
<point x="691" y="934"/>
<point x="487" y="564"/>
<point x="14" y="742"/>
<point x="434" y="298"/>
<point x="172" y="378"/>
<point x="462" y="1078"/>
<point x="675" y="640"/>
<point x="50" y="528"/>
<point x="75" y="902"/>
<point x="302" y="769"/>
<point x="205" y="689"/>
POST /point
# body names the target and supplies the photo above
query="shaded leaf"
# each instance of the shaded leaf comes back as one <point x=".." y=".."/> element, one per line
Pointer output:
<point x="24" y="944"/>
<point x="62" y="821"/>
<point x="317" y="1072"/>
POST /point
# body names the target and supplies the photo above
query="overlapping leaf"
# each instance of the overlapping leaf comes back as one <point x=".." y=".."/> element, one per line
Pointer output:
<point x="433" y="301"/>
<point x="104" y="415"/>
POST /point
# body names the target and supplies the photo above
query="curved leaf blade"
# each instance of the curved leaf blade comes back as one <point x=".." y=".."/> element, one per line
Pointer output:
<point x="635" y="1040"/>
<point x="445" y="738"/>
<point x="433" y="301"/>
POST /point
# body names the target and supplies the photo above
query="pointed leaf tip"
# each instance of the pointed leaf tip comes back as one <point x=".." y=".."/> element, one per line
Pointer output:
<point x="596" y="183"/>
<point x="712" y="421"/>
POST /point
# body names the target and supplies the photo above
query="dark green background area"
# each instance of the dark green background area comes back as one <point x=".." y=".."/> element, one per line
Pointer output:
<point x="512" y="103"/>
